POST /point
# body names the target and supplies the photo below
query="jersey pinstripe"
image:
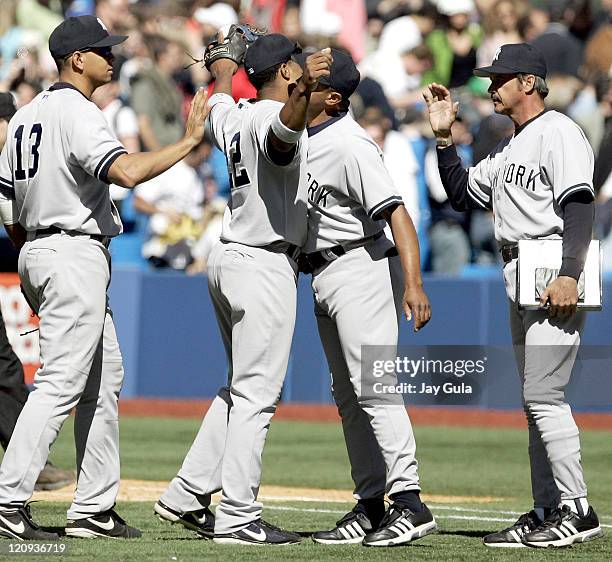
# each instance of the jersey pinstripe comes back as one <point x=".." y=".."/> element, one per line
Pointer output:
<point x="267" y="201"/>
<point x="55" y="163"/>
<point x="529" y="176"/>
<point x="348" y="184"/>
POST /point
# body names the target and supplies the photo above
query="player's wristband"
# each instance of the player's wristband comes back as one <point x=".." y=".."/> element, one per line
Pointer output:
<point x="220" y="98"/>
<point x="284" y="133"/>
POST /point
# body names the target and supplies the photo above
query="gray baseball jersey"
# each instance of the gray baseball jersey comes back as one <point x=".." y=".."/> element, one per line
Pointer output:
<point x="358" y="298"/>
<point x="253" y="290"/>
<point x="267" y="202"/>
<point x="529" y="175"/>
<point x="348" y="184"/>
<point x="55" y="164"/>
<point x="525" y="181"/>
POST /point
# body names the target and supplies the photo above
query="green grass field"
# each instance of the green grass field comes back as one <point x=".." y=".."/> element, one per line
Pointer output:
<point x="453" y="461"/>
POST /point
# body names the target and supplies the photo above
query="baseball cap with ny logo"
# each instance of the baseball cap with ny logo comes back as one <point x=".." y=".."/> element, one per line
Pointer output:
<point x="79" y="34"/>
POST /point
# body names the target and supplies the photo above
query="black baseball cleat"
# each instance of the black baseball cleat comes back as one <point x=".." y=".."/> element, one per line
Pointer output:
<point x="400" y="526"/>
<point x="201" y="521"/>
<point x="512" y="537"/>
<point x="103" y="525"/>
<point x="563" y="527"/>
<point x="349" y="530"/>
<point x="259" y="532"/>
<point x="17" y="524"/>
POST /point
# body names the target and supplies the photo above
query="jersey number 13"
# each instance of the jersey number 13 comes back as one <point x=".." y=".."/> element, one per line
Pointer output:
<point x="33" y="139"/>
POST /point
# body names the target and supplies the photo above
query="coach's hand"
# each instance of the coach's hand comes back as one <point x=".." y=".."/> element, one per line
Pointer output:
<point x="416" y="304"/>
<point x="317" y="65"/>
<point x="442" y="110"/>
<point x="561" y="296"/>
<point x="194" y="129"/>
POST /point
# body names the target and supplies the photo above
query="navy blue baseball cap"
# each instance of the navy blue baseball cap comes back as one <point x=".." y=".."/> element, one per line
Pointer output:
<point x="81" y="33"/>
<point x="343" y="76"/>
<point x="269" y="51"/>
<point x="515" y="58"/>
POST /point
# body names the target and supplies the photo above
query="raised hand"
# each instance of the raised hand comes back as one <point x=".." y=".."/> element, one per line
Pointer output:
<point x="194" y="129"/>
<point x="317" y="65"/>
<point x="442" y="110"/>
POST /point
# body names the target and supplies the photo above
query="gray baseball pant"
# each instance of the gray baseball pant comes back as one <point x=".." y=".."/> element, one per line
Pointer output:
<point x="358" y="302"/>
<point x="254" y="294"/>
<point x="545" y="351"/>
<point x="65" y="279"/>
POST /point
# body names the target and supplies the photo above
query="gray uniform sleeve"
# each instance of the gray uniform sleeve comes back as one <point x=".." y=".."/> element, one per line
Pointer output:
<point x="92" y="143"/>
<point x="567" y="162"/>
<point x="7" y="190"/>
<point x="261" y="126"/>
<point x="221" y="107"/>
<point x="367" y="180"/>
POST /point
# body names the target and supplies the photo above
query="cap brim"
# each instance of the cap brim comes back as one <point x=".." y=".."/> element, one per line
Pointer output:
<point x="109" y="41"/>
<point x="486" y="71"/>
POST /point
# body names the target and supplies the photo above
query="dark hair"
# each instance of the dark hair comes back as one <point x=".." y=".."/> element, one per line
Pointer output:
<point x="264" y="77"/>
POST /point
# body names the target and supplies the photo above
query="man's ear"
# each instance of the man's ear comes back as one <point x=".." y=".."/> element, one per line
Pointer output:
<point x="333" y="99"/>
<point x="528" y="83"/>
<point x="77" y="61"/>
<point x="284" y="71"/>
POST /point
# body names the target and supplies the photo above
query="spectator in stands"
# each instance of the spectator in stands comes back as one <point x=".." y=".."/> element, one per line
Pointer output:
<point x="173" y="200"/>
<point x="343" y="20"/>
<point x="386" y="64"/>
<point x="398" y="157"/>
<point x="156" y="98"/>
<point x="122" y="121"/>
<point x="212" y="221"/>
<point x="561" y="50"/>
<point x="449" y="230"/>
<point x="500" y="27"/>
<point x="454" y="45"/>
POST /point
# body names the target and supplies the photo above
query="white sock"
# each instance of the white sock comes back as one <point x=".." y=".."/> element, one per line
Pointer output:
<point x="579" y="506"/>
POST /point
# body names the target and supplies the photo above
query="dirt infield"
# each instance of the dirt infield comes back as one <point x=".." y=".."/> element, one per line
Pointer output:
<point x="150" y="491"/>
<point x="463" y="417"/>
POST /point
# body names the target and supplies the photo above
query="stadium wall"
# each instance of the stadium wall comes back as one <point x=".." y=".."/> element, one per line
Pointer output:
<point x="172" y="348"/>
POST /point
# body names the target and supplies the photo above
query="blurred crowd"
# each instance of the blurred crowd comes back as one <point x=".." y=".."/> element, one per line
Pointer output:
<point x="399" y="45"/>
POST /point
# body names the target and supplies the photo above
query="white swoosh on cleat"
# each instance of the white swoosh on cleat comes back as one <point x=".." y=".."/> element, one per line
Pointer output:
<point x="259" y="536"/>
<point x="107" y="526"/>
<point x="19" y="529"/>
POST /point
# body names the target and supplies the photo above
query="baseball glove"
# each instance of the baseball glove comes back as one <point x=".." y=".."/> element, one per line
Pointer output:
<point x="233" y="46"/>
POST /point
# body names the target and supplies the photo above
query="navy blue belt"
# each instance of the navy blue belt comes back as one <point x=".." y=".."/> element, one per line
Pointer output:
<point x="41" y="232"/>
<point x="509" y="252"/>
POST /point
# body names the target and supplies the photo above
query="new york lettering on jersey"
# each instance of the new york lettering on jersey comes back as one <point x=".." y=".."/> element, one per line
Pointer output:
<point x="346" y="199"/>
<point x="526" y="179"/>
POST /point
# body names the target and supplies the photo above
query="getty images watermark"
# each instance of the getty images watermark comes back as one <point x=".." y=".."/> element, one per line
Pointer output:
<point x="478" y="376"/>
<point x="423" y="374"/>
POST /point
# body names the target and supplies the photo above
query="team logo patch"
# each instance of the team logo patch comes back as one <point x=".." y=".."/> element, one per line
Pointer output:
<point x="497" y="53"/>
<point x="102" y="24"/>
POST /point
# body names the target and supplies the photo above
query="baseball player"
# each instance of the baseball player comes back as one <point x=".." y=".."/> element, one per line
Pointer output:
<point x="361" y="282"/>
<point x="13" y="390"/>
<point x="54" y="174"/>
<point x="252" y="275"/>
<point x="538" y="183"/>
